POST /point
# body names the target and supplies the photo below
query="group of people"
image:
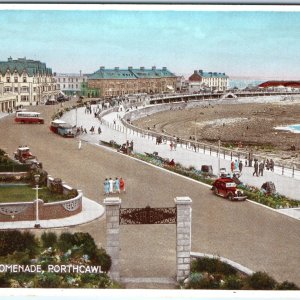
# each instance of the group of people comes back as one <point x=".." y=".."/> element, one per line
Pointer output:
<point x="236" y="166"/>
<point x="112" y="186"/>
<point x="260" y="166"/>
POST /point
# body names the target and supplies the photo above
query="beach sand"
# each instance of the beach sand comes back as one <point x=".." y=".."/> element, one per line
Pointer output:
<point x="250" y="124"/>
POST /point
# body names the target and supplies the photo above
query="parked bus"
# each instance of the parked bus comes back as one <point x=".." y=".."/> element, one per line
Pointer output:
<point x="28" y="117"/>
<point x="62" y="128"/>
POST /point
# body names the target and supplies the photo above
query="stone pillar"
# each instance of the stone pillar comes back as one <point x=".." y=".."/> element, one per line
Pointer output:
<point x="183" y="237"/>
<point x="112" y="207"/>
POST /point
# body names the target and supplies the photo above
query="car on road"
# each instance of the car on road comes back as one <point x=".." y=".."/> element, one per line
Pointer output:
<point x="227" y="188"/>
<point x="24" y="156"/>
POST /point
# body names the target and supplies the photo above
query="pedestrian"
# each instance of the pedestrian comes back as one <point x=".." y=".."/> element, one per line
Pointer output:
<point x="267" y="164"/>
<point x="240" y="166"/>
<point x="111" y="185"/>
<point x="261" y="169"/>
<point x="85" y="131"/>
<point x="117" y="185"/>
<point x="171" y="146"/>
<point x="99" y="130"/>
<point x="79" y="144"/>
<point x="106" y="186"/>
<point x="131" y="146"/>
<point x="272" y="165"/>
<point x="174" y="146"/>
<point x="122" y="185"/>
<point x="255" y="168"/>
<point x="236" y="165"/>
<point x="92" y="130"/>
<point x="232" y="166"/>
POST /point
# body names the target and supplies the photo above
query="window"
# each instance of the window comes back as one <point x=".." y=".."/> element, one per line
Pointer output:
<point x="16" y="90"/>
<point x="7" y="89"/>
<point x="24" y="89"/>
<point x="64" y="79"/>
<point x="76" y="86"/>
<point x="64" y="86"/>
<point x="58" y="79"/>
<point x="24" y="79"/>
<point x="24" y="98"/>
<point x="76" y="79"/>
<point x="15" y="79"/>
<point x="34" y="89"/>
<point x="7" y="79"/>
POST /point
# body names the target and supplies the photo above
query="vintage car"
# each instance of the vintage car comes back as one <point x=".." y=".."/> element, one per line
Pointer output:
<point x="24" y="156"/>
<point x="226" y="187"/>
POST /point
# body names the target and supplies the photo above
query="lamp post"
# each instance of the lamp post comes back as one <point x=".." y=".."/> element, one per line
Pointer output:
<point x="37" y="221"/>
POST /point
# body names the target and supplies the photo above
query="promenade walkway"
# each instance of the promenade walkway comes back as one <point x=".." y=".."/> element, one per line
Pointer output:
<point x="285" y="184"/>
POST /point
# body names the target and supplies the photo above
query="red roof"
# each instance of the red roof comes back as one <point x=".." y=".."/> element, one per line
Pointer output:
<point x="267" y="84"/>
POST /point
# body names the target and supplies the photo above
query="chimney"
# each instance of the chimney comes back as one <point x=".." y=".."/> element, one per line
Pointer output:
<point x="142" y="68"/>
<point x="164" y="68"/>
<point x="195" y="71"/>
<point x="9" y="59"/>
<point x="102" y="68"/>
<point x="153" y="68"/>
<point x="201" y="71"/>
<point x="80" y="73"/>
<point x="130" y="68"/>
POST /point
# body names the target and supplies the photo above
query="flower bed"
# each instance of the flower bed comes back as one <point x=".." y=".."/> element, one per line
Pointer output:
<point x="63" y="252"/>
<point x="212" y="273"/>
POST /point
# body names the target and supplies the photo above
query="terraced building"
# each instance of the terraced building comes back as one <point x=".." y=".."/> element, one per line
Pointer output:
<point x="118" y="82"/>
<point x="213" y="81"/>
<point x="27" y="81"/>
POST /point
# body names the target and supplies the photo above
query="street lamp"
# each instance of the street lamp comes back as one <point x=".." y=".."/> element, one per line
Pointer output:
<point x="37" y="179"/>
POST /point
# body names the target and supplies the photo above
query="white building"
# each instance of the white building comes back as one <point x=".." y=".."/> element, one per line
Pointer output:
<point x="29" y="81"/>
<point x="212" y="81"/>
<point x="70" y="83"/>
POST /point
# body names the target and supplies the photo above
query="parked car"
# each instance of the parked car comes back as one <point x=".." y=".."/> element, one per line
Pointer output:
<point x="24" y="156"/>
<point x="227" y="188"/>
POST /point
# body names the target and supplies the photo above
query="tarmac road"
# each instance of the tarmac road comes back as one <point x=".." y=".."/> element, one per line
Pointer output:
<point x="251" y="235"/>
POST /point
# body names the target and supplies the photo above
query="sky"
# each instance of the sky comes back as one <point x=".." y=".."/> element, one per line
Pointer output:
<point x="243" y="44"/>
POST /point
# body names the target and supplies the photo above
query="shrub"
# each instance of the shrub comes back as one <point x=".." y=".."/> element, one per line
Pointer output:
<point x="104" y="281"/>
<point x="195" y="280"/>
<point x="49" y="280"/>
<point x="65" y="241"/>
<point x="212" y="265"/>
<point x="49" y="239"/>
<point x="11" y="241"/>
<point x="85" y="240"/>
<point x="261" y="281"/>
<point x="286" y="285"/>
<point x="233" y="282"/>
<point x="103" y="259"/>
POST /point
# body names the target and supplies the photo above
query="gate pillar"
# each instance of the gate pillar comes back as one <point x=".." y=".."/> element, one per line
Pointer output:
<point x="183" y="236"/>
<point x="112" y="208"/>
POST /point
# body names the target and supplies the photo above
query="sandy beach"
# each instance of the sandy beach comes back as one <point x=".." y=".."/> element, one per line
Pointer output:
<point x="251" y="125"/>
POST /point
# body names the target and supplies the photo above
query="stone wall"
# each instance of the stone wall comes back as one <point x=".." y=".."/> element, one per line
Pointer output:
<point x="26" y="211"/>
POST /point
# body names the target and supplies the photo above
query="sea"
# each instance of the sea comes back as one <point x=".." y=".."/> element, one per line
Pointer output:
<point x="295" y="128"/>
<point x="243" y="83"/>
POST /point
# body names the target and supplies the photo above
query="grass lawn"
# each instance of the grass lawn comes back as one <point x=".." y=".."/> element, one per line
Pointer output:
<point x="23" y="193"/>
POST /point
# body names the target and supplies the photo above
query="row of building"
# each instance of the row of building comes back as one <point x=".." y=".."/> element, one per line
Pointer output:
<point x="30" y="82"/>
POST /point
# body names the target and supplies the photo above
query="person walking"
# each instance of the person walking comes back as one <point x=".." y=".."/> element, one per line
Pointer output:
<point x="106" y="186"/>
<point x="236" y="165"/>
<point x="261" y="169"/>
<point x="240" y="166"/>
<point x="232" y="166"/>
<point x="117" y="185"/>
<point x="99" y="130"/>
<point x="111" y="185"/>
<point x="255" y="168"/>
<point x="272" y="165"/>
<point x="122" y="185"/>
<point x="171" y="146"/>
<point x="79" y="144"/>
<point x="267" y="164"/>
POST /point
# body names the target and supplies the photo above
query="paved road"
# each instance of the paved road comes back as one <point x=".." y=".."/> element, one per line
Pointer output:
<point x="253" y="236"/>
